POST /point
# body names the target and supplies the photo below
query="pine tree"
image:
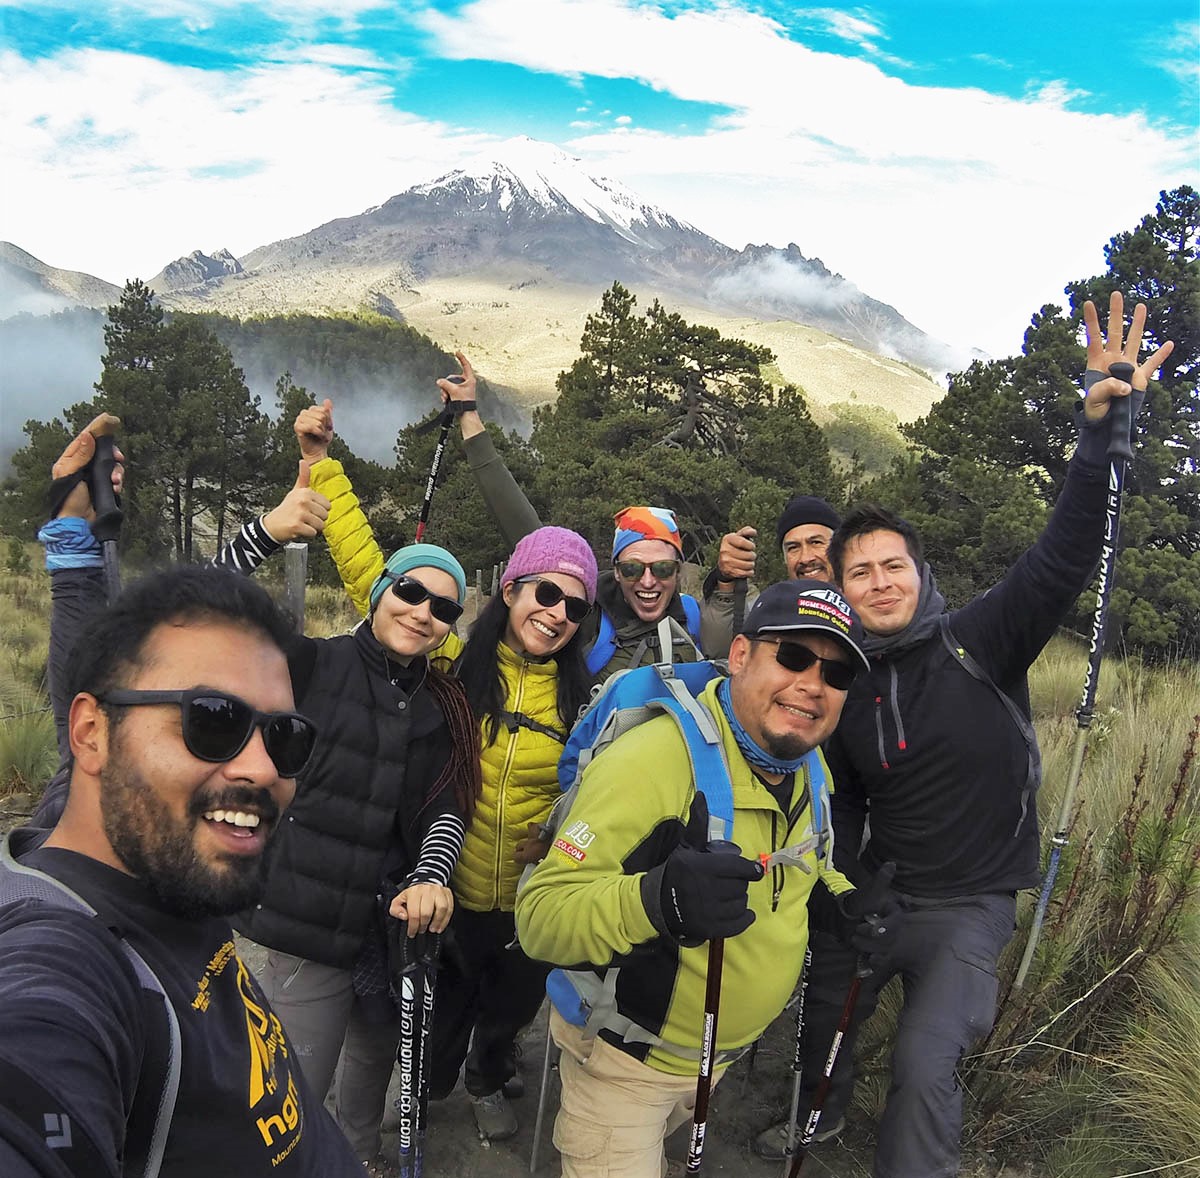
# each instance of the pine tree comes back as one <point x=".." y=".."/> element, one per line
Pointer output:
<point x="1006" y="429"/>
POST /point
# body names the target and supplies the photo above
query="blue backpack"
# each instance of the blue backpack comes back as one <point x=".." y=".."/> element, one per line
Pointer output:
<point x="629" y="698"/>
<point x="605" y="646"/>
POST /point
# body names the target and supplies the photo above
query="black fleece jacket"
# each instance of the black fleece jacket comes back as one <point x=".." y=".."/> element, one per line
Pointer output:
<point x="929" y="752"/>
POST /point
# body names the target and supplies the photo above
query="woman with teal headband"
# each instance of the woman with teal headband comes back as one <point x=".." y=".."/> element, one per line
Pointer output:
<point x="525" y="676"/>
<point x="382" y="805"/>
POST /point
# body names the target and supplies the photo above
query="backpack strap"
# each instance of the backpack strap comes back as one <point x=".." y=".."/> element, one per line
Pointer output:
<point x="515" y="720"/>
<point x="153" y="1104"/>
<point x="1033" y="771"/>
<point x="702" y="739"/>
<point x="691" y="611"/>
<point x="604" y="647"/>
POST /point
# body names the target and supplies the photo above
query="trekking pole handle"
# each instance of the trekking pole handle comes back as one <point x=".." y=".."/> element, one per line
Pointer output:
<point x="1119" y="444"/>
<point x="423" y="949"/>
<point x="107" y="524"/>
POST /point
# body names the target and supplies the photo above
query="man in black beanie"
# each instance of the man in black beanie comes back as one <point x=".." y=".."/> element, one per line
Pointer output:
<point x="802" y="533"/>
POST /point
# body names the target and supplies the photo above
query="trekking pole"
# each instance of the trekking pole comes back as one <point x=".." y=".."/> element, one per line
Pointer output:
<point x="1120" y="452"/>
<point x="792" y="1166"/>
<point x="541" y="1108"/>
<point x="107" y="524"/>
<point x="708" y="1038"/>
<point x="446" y="420"/>
<point x="429" y="961"/>
<point x="798" y="1058"/>
<point x="407" y="1053"/>
<point x="739" y="604"/>
<point x="708" y="1053"/>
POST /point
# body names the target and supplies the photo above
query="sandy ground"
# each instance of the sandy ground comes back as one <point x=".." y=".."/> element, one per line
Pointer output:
<point x="521" y="333"/>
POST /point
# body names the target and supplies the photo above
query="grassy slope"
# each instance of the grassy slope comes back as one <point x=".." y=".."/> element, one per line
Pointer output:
<point x="1112" y="1086"/>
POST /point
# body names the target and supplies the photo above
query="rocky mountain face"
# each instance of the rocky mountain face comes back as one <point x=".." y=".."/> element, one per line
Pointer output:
<point x="531" y="215"/>
<point x="195" y="270"/>
<point x="507" y="255"/>
<point x="30" y="286"/>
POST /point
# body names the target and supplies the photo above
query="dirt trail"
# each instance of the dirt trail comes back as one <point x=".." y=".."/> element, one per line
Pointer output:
<point x="743" y="1104"/>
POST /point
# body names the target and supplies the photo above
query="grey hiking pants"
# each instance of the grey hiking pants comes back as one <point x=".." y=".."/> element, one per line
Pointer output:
<point x="323" y="1020"/>
<point x="946" y="957"/>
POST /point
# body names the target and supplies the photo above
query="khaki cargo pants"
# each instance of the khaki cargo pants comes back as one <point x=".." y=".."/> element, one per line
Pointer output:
<point x="615" y="1111"/>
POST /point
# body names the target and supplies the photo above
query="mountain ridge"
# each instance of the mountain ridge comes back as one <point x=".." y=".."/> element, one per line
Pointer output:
<point x="506" y="256"/>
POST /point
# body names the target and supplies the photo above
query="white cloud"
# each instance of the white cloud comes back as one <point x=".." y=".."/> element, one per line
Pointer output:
<point x="964" y="209"/>
<point x="342" y="56"/>
<point x="622" y="120"/>
<point x="126" y="163"/>
<point x="852" y="27"/>
<point x="1175" y="52"/>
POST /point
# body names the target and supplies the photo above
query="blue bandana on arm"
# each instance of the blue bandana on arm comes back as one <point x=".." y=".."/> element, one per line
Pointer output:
<point x="70" y="544"/>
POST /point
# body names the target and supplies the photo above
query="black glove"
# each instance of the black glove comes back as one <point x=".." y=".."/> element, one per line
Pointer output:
<point x="872" y="917"/>
<point x="699" y="895"/>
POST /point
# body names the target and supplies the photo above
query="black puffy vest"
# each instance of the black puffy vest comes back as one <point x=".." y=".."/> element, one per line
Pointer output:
<point x="357" y="805"/>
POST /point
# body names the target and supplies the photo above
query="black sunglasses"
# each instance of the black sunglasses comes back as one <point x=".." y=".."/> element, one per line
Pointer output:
<point x="632" y="570"/>
<point x="217" y="726"/>
<point x="549" y="594"/>
<point x="795" y="656"/>
<point x="444" y="609"/>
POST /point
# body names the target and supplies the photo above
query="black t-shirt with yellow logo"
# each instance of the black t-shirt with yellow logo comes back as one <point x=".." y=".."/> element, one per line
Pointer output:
<point x="243" y="1106"/>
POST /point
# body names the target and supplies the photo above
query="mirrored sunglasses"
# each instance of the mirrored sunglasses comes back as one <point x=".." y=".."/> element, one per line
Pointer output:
<point x="795" y="656"/>
<point x="444" y="609"/>
<point x="662" y="570"/>
<point x="549" y="594"/>
<point x="217" y="726"/>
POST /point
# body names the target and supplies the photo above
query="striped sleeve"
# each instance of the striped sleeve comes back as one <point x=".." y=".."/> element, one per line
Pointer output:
<point x="439" y="850"/>
<point x="248" y="549"/>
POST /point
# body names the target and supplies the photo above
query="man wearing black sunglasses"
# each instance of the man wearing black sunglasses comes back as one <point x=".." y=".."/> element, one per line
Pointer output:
<point x="642" y="616"/>
<point x="634" y="888"/>
<point x="185" y="744"/>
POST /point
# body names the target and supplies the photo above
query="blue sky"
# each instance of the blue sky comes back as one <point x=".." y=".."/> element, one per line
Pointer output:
<point x="961" y="160"/>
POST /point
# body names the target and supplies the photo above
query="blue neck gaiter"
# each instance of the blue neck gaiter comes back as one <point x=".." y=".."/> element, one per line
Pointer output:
<point x="750" y="749"/>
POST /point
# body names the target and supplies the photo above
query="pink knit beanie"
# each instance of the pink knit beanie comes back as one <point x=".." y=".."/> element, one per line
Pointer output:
<point x="553" y="550"/>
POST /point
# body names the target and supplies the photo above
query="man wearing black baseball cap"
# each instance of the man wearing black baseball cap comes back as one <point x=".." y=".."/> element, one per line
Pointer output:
<point x="632" y="888"/>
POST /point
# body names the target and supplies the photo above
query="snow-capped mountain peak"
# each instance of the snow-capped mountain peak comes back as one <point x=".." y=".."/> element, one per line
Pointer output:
<point x="521" y="171"/>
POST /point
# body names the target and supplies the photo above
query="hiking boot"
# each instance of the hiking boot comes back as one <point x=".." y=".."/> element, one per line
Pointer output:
<point x="772" y="1143"/>
<point x="494" y="1116"/>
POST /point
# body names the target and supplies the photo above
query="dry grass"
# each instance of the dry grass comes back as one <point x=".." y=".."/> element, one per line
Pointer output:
<point x="1112" y="1086"/>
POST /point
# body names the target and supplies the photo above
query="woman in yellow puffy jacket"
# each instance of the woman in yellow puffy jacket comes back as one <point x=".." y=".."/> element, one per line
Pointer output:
<point x="525" y="677"/>
<point x="524" y="673"/>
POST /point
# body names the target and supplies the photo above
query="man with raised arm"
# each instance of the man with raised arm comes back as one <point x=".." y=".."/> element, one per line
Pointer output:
<point x="936" y="749"/>
<point x="802" y="534"/>
<point x="641" y="609"/>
